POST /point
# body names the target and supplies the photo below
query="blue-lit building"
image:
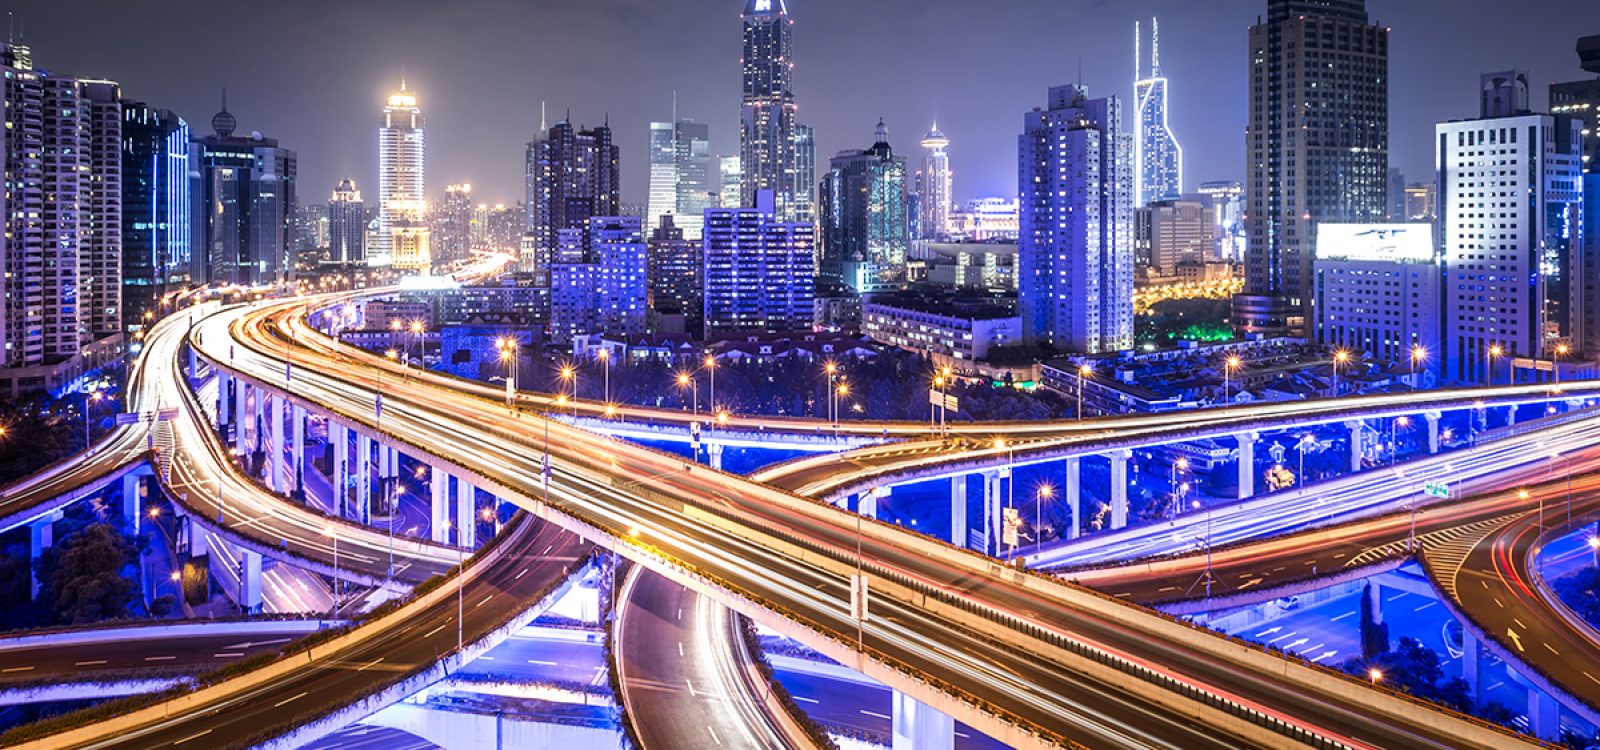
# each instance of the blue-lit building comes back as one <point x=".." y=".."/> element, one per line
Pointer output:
<point x="767" y="136"/>
<point x="863" y="210"/>
<point x="156" y="229"/>
<point x="243" y="200"/>
<point x="604" y="291"/>
<point x="1157" y="157"/>
<point x="471" y="349"/>
<point x="759" y="271"/>
<point x="1075" y="256"/>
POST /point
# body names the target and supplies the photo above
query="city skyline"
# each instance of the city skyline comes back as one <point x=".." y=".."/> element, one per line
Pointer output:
<point x="483" y="107"/>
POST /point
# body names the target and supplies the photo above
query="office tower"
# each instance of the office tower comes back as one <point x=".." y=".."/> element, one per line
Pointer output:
<point x="1395" y="190"/>
<point x="347" y="224"/>
<point x="986" y="220"/>
<point x="805" y="174"/>
<point x="1226" y="199"/>
<point x="864" y="233"/>
<point x="1580" y="100"/>
<point x="243" y="206"/>
<point x="758" y="270"/>
<point x="933" y="186"/>
<point x="685" y="182"/>
<point x="766" y="124"/>
<point x="403" y="239"/>
<point x="729" y="195"/>
<point x="1176" y="231"/>
<point x="1157" y="157"/>
<point x="572" y="175"/>
<point x="1316" y="147"/>
<point x="1075" y="257"/>
<point x="1421" y="200"/>
<point x="675" y="278"/>
<point x="1510" y="262"/>
<point x="663" y="196"/>
<point x="1377" y="290"/>
<point x="598" y="285"/>
<point x="452" y="234"/>
<point x="155" y="209"/>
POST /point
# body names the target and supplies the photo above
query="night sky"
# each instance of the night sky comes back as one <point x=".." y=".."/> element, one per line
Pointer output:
<point x="314" y="74"/>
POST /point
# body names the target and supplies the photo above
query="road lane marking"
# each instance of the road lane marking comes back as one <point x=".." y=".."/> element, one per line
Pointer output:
<point x="680" y="648"/>
<point x="369" y="664"/>
<point x="291" y="699"/>
<point x="1341" y="617"/>
<point x="804" y="699"/>
<point x="714" y="736"/>
<point x="20" y="669"/>
<point x="159" y="658"/>
<point x="875" y="714"/>
<point x="102" y="661"/>
<point x="196" y="735"/>
<point x="227" y="655"/>
<point x="542" y="663"/>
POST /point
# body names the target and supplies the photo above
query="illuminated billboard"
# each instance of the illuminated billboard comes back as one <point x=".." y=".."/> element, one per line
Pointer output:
<point x="1398" y="243"/>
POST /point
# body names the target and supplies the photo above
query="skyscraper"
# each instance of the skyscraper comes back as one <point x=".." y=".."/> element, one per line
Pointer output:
<point x="1580" y="100"/>
<point x="1157" y="157"/>
<point x="452" y="235"/>
<point x="572" y="175"/>
<point x="766" y="125"/>
<point x="728" y="195"/>
<point x="1316" y="147"/>
<point x="403" y="237"/>
<point x="155" y="208"/>
<point x="684" y="181"/>
<point x="933" y="185"/>
<point x="99" y="145"/>
<point x="347" y="224"/>
<point x="1075" y="260"/>
<point x="243" y="198"/>
<point x="864" y="233"/>
<point x="663" y="196"/>
<point x="805" y="174"/>
<point x="1509" y="263"/>
<point x="1226" y="199"/>
<point x="758" y="270"/>
<point x="675" y="278"/>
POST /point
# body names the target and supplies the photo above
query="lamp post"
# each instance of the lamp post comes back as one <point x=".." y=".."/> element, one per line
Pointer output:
<point x="604" y="355"/>
<point x="569" y="375"/>
<point x="1206" y="577"/>
<point x="1084" y="371"/>
<point x="90" y="398"/>
<point x="1228" y="366"/>
<point x="508" y="355"/>
<point x="1044" y="493"/>
<point x="685" y="380"/>
<point x="1488" y="364"/>
<point x="1179" y="466"/>
<point x="832" y="370"/>
<point x="842" y="390"/>
<point x="1339" y="358"/>
<point x="1555" y="363"/>
<point x="711" y="389"/>
<point x="1394" y="445"/>
<point x="417" y="328"/>
<point x="1418" y="354"/>
<point x="944" y="390"/>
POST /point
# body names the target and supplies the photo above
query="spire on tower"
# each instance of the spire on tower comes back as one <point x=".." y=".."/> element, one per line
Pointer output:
<point x="1138" y="62"/>
<point x="1155" y="49"/>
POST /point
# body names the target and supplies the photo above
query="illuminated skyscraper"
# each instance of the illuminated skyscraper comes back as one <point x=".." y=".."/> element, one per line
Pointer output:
<point x="663" y="197"/>
<point x="805" y="174"/>
<point x="1157" y="157"/>
<point x="864" y="232"/>
<point x="572" y="175"/>
<point x="1316" y="148"/>
<point x="347" y="224"/>
<point x="452" y="221"/>
<point x="1075" y="258"/>
<point x="155" y="208"/>
<point x="243" y="202"/>
<point x="758" y="271"/>
<point x="683" y="177"/>
<point x="403" y="236"/>
<point x="767" y="127"/>
<point x="933" y="185"/>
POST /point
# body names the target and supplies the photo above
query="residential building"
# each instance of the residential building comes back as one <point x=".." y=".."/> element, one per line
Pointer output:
<point x="1157" y="157"/>
<point x="864" y="233"/>
<point x="767" y="111"/>
<point x="452" y="225"/>
<point x="1510" y="200"/>
<point x="573" y="174"/>
<point x="1378" y="292"/>
<point x="600" y="287"/>
<point x="759" y="271"/>
<point x="952" y="330"/>
<point x="347" y="224"/>
<point x="403" y="235"/>
<point x="1174" y="232"/>
<point x="244" y="198"/>
<point x="1316" y="148"/>
<point x="676" y="301"/>
<point x="933" y="186"/>
<point x="1075" y="262"/>
<point x="156" y="254"/>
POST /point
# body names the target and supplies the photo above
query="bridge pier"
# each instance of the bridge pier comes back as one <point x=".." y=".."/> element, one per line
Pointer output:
<point x="339" y="440"/>
<point x="991" y="509"/>
<point x="1119" y="488"/>
<point x="364" y="478"/>
<point x="278" y="461"/>
<point x="241" y="415"/>
<point x="918" y="726"/>
<point x="297" y="421"/>
<point x="258" y="421"/>
<point x="868" y="504"/>
<point x="466" y="513"/>
<point x="439" y="488"/>
<point x="714" y="455"/>
<point x="1544" y="715"/>
<point x="1511" y="415"/>
<point x="1375" y="599"/>
<point x="224" y="401"/>
<point x="41" y="536"/>
<point x="132" y="489"/>
<point x="958" y="510"/>
<point x="1247" y="464"/>
<point x="1357" y="434"/>
<point x="1471" y="656"/>
<point x="1073" y="484"/>
<point x="249" y="581"/>
<point x="1432" y="418"/>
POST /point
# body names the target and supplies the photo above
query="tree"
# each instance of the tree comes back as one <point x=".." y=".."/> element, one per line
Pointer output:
<point x="83" y="578"/>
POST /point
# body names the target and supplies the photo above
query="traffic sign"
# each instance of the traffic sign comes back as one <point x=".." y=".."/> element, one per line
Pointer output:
<point x="1436" y="488"/>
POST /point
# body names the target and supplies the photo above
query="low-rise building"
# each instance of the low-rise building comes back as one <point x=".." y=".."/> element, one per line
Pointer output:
<point x="953" y="331"/>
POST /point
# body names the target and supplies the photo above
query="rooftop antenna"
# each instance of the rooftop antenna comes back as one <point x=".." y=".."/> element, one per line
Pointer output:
<point x="1138" y="61"/>
<point x="1080" y="71"/>
<point x="224" y="98"/>
<point x="542" y="126"/>
<point x="1155" y="48"/>
<point x="11" y="27"/>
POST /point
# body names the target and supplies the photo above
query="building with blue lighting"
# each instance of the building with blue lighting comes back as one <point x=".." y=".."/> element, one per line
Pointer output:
<point x="759" y="271"/>
<point x="767" y="109"/>
<point x="1157" y="157"/>
<point x="863" y="208"/>
<point x="1075" y="258"/>
<point x="605" y="289"/>
<point x="155" y="209"/>
<point x="243" y="204"/>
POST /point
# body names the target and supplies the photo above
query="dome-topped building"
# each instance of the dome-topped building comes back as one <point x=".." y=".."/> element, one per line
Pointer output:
<point x="224" y="123"/>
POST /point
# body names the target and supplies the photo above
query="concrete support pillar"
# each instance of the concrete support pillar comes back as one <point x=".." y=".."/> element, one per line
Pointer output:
<point x="917" y="726"/>
<point x="991" y="510"/>
<point x="714" y="455"/>
<point x="250" y="581"/>
<point x="297" y="445"/>
<point x="1471" y="656"/>
<point x="868" y="505"/>
<point x="466" y="513"/>
<point x="339" y="439"/>
<point x="41" y="536"/>
<point x="1119" y="488"/>
<point x="439" y="489"/>
<point x="224" y="399"/>
<point x="394" y="463"/>
<point x="241" y="414"/>
<point x="1375" y="598"/>
<point x="258" y="419"/>
<point x="277" y="459"/>
<point x="1357" y="435"/>
<point x="1511" y="415"/>
<point x="1073" y="484"/>
<point x="958" y="510"/>
<point x="363" y="477"/>
<point x="194" y="363"/>
<point x="132" y="489"/>
<point x="1247" y="464"/>
<point x="1432" y="418"/>
<point x="1544" y="715"/>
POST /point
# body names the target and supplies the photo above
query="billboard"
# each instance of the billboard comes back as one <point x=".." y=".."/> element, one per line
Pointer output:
<point x="1398" y="243"/>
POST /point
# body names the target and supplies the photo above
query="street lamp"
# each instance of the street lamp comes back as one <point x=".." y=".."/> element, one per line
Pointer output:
<point x="1375" y="674"/>
<point x="1228" y="366"/>
<point x="508" y="355"/>
<point x="1488" y="363"/>
<point x="569" y="375"/>
<point x="417" y="328"/>
<point x="1394" y="445"/>
<point x="1418" y="354"/>
<point x="1339" y="358"/>
<point x="89" y="399"/>
<point x="1179" y="466"/>
<point x="604" y="355"/>
<point x="711" y="390"/>
<point x="1555" y="364"/>
<point x="1594" y="544"/>
<point x="1084" y="371"/>
<point x="832" y="370"/>
<point x="1044" y="493"/>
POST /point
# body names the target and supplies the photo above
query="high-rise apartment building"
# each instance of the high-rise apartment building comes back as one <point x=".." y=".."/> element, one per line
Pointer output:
<point x="1580" y="100"/>
<point x="1175" y="231"/>
<point x="572" y="175"/>
<point x="1510" y="200"/>
<point x="933" y="186"/>
<point x="600" y="286"/>
<point x="767" y="112"/>
<point x="758" y="270"/>
<point x="805" y="174"/>
<point x="347" y="224"/>
<point x="1075" y="257"/>
<point x="1316" y="147"/>
<point x="675" y="278"/>
<point x="403" y="236"/>
<point x="1157" y="157"/>
<point x="243" y="206"/>
<point x="452" y="225"/>
<point x="864" y="232"/>
<point x="155" y="209"/>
